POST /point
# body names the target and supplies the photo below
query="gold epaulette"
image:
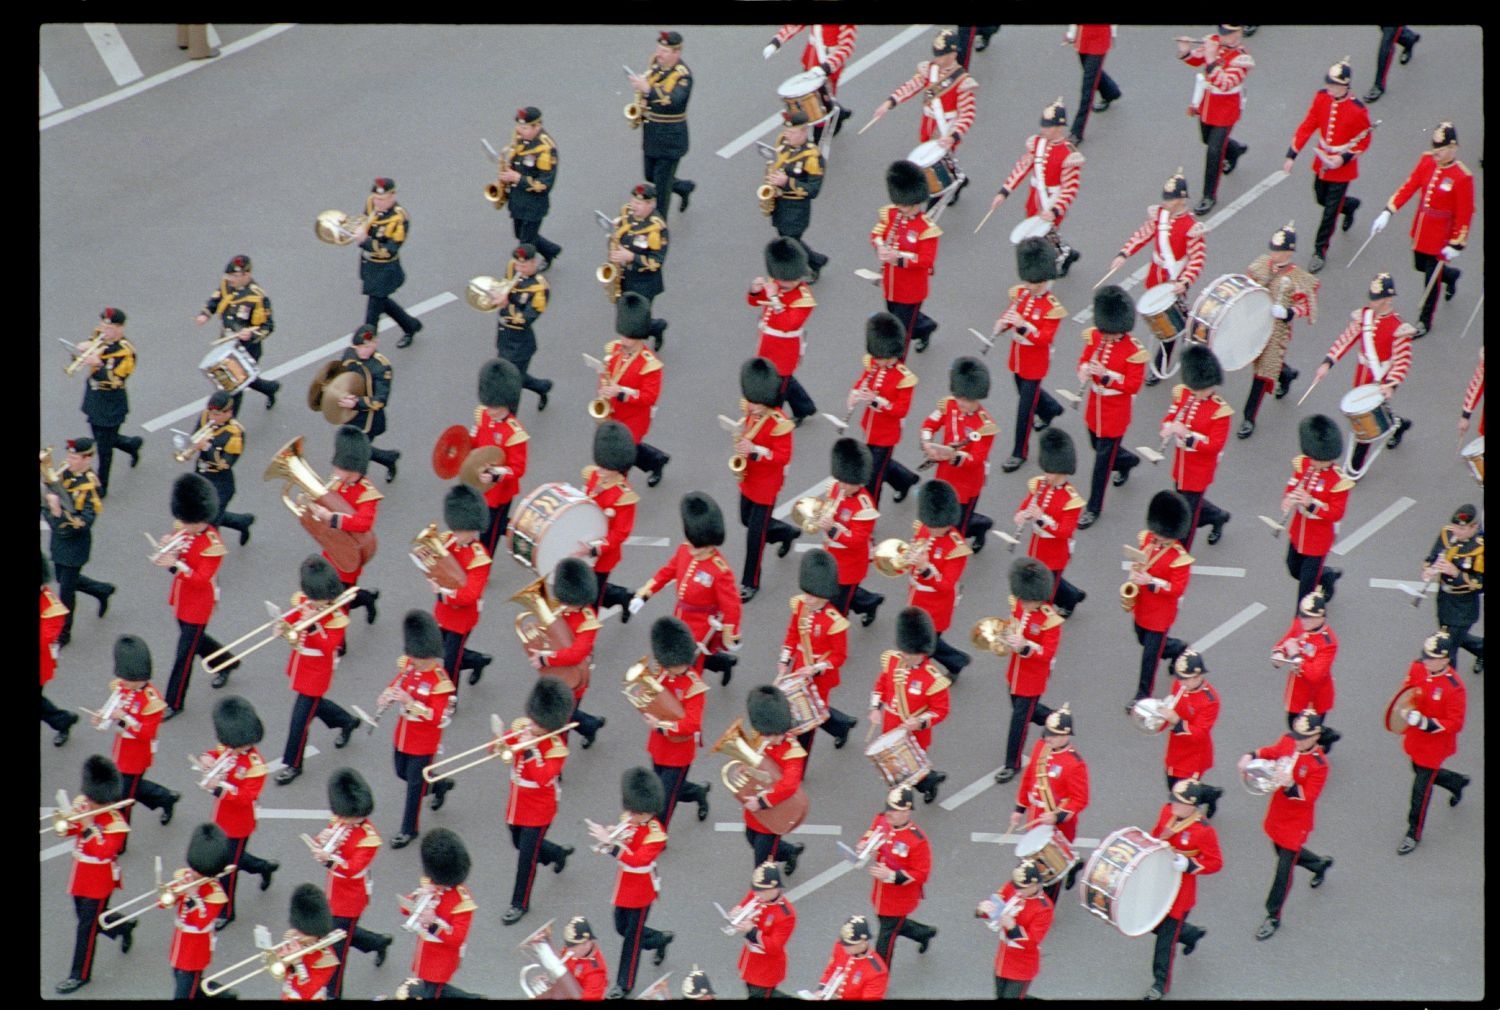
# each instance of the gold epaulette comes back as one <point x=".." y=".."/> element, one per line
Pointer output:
<point x="154" y="704"/>
<point x="653" y="363"/>
<point x="655" y="832"/>
<point x="1225" y="410"/>
<point x="783" y="426"/>
<point x="371" y="838"/>
<point x="1140" y="538"/>
<point x="1014" y="291"/>
<point x="479" y="415"/>
<point x="1053" y="617"/>
<point x="557" y="750"/>
<point x="215" y="895"/>
<point x="56" y="609"/>
<point x="838" y="625"/>
<point x="908" y="377"/>
<point x="465" y="900"/>
<point x="215" y="546"/>
<point x="1344" y="484"/>
<point x="589" y="623"/>
<point x="1075" y="502"/>
<point x="257" y="766"/>
<point x="804" y="302"/>
<point x="719" y="561"/>
<point x="794" y="751"/>
<point x="444" y="685"/>
<point x="1140" y="357"/>
<point x="864" y="514"/>
<point x="517" y="434"/>
<point x="887" y="655"/>
<point x="916" y="528"/>
<point x="698" y="686"/>
<point x="933" y="231"/>
<point x="1033" y="483"/>
<point x="1183" y="558"/>
<point x="480" y="557"/>
<point x="1178" y="391"/>
<point x="628" y="497"/>
<point x="116" y="825"/>
<point x="368" y="492"/>
<point x="1010" y="602"/>
<point x="1056" y="311"/>
<point x="939" y="684"/>
<point x="963" y="549"/>
<point x="338" y="619"/>
<point x="326" y="958"/>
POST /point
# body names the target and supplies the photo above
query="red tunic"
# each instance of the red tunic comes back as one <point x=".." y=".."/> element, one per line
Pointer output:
<point x="585" y="625"/>
<point x="460" y="611"/>
<point x="1444" y="701"/>
<point x="1052" y="536"/>
<point x="1107" y="412"/>
<point x="883" y="418"/>
<point x="1289" y="815"/>
<point x="535" y="785"/>
<point x="1052" y="170"/>
<point x="827" y="642"/>
<point x="937" y="591"/>
<point x="908" y="851"/>
<point x="439" y="950"/>
<point x="1190" y="743"/>
<point x="705" y="588"/>
<point x="1177" y="246"/>
<point x="1020" y="955"/>
<point x="638" y="884"/>
<point x="235" y="810"/>
<point x="1031" y="349"/>
<point x="1197" y="456"/>
<point x="1311" y="533"/>
<point x="641" y="373"/>
<point x="97" y="842"/>
<point x="312" y="660"/>
<point x="972" y="434"/>
<point x="195" y="591"/>
<point x="826" y="44"/>
<point x="1091" y="40"/>
<point x="1446" y="207"/>
<point x="1156" y="608"/>
<point x="1063" y="788"/>
<point x="193" y="938"/>
<point x="781" y="330"/>
<point x="1195" y="838"/>
<point x="765" y="470"/>
<point x="864" y="977"/>
<point x="138" y="718"/>
<point x="956" y="101"/>
<point x="419" y="732"/>
<point x="763" y="958"/>
<point x="350" y="882"/>
<point x="1224" y="82"/>
<point x="590" y="971"/>
<point x="365" y="499"/>
<point x="1309" y="684"/>
<point x="53" y="616"/>
<point x="1335" y="122"/>
<point x="926" y="696"/>
<point x="1041" y="627"/>
<point x="308" y="978"/>
<point x="850" y="547"/>
<point x="677" y="747"/>
<point x="511" y="438"/>
<point x="1473" y="393"/>
<point x="788" y="756"/>
<point x="612" y="493"/>
<point x="1384" y="344"/>
<point x="905" y="280"/>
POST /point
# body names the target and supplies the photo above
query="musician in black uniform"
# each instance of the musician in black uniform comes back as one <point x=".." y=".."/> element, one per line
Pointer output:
<point x="640" y="251"/>
<point x="531" y="174"/>
<point x="523" y="305"/>
<point x="105" y="402"/>
<point x="217" y="455"/>
<point x="664" y="91"/>
<point x="244" y="309"/>
<point x="797" y="174"/>
<point x="380" y="239"/>
<point x="1456" y="561"/>
<point x="72" y="538"/>
<point x="364" y="359"/>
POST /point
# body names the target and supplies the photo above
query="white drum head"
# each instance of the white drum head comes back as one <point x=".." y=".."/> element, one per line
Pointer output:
<point x="804" y="83"/>
<point x="1033" y="227"/>
<point x="929" y="153"/>
<point x="1147" y="894"/>
<point x="1157" y="299"/>
<point x="216" y="354"/>
<point x="884" y="742"/>
<point x="1034" y="841"/>
<point x="1362" y="399"/>
<point x="1474" y="448"/>
<point x="1245" y="329"/>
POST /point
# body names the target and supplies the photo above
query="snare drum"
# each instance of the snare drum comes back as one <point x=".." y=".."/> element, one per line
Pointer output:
<point x="1474" y="456"/>
<point x="1046" y="847"/>
<point x="229" y="367"/>
<point x="1233" y="316"/>
<point x="1368" y="413"/>
<point x="899" y="757"/>
<point x="803" y="93"/>
<point x="936" y="165"/>
<point x="809" y="711"/>
<point x="1035" y="226"/>
<point x="554" y="522"/>
<point x="1130" y="881"/>
<point x="1162" y="312"/>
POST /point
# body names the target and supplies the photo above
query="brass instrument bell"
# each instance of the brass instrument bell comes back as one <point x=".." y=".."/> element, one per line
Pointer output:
<point x="337" y="228"/>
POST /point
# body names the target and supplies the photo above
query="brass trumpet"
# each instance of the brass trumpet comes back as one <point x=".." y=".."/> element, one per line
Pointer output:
<point x="93" y="347"/>
<point x="486" y="294"/>
<point x="337" y="228"/>
<point x="548" y="977"/>
<point x="186" y="445"/>
<point x="279" y="626"/>
<point x="163" y="895"/>
<point x="172" y="543"/>
<point x="277" y="960"/>
<point x="510" y="744"/>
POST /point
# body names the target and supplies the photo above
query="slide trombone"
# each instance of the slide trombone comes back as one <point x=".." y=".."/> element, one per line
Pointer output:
<point x="61" y="820"/>
<point x="91" y="348"/>
<point x="278" y="959"/>
<point x="280" y="626"/>
<point x="509" y="745"/>
<point x="163" y="895"/>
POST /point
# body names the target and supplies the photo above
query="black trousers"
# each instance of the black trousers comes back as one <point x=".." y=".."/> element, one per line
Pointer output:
<point x="1094" y="78"/>
<point x="86" y="935"/>
<point x="1307" y="569"/>
<point x="519" y="350"/>
<point x="1458" y="612"/>
<point x="588" y="724"/>
<point x="649" y="458"/>
<point x="70" y="581"/>
<point x="1334" y="198"/>
<point x="1220" y="147"/>
<point x="610" y="594"/>
<point x="1260" y="387"/>
<point x="193" y="640"/>
<point x="265" y="387"/>
<point x="975" y="524"/>
<point x="662" y="172"/>
<point x="1110" y="455"/>
<point x="1065" y="595"/>
<point x="916" y="323"/>
<point x="107" y="439"/>
<point x="763" y="992"/>
<point x="246" y="862"/>
<point x="530" y="231"/>
<point x="409" y="769"/>
<point x="457" y="657"/>
<point x="499" y="519"/>
<point x="1009" y="988"/>
<point x="356" y="936"/>
<point x="630" y="923"/>
<point x="304" y="710"/>
<point x="1204" y="513"/>
<point x="1024" y="709"/>
<point x="186" y="984"/>
<point x="145" y="793"/>
<point x="1169" y="933"/>
<point x="1154" y="644"/>
<point x="790" y="219"/>
<point x="1286" y="859"/>
<point x="892" y="926"/>
<point x="1422" y="782"/>
<point x="760" y="529"/>
<point x="377" y="304"/>
<point x="887" y="470"/>
<point x="1031" y="398"/>
<point x="1426" y="264"/>
<point x="674" y="782"/>
<point x="57" y="718"/>
<point x="837" y="724"/>
<point x="793" y="393"/>
<point x="951" y="659"/>
<point x="532" y="848"/>
<point x="768" y="848"/>
<point x="1389" y="36"/>
<point x="855" y="597"/>
<point x="224" y="484"/>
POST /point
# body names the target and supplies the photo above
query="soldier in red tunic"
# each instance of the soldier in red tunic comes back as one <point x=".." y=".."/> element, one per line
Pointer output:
<point x="584" y="959"/>
<point x="196" y="908"/>
<point x="884" y="387"/>
<point x="854" y="969"/>
<point x="909" y="693"/>
<point x="1218" y="98"/>
<point x="958" y="436"/>
<point x="786" y="303"/>
<point x="1033" y="630"/>
<point x="422" y="688"/>
<point x="816" y="644"/>
<point x="1032" y="317"/>
<point x="310" y="976"/>
<point x="1181" y="825"/>
<point x="535" y="789"/>
<point x="97" y="840"/>
<point x="630" y="383"/>
<point x="766" y="919"/>
<point x="847" y="523"/>
<point x="828" y="49"/>
<point x="575" y="588"/>
<point x="901" y="866"/>
<point x="634" y="843"/>
<point x="1191" y="711"/>
<point x="496" y="424"/>
<point x="311" y="664"/>
<point x="1315" y="497"/>
<point x="1052" y="169"/>
<point x="1431" y="736"/>
<point x="457" y="610"/>
<point x="1054" y="787"/>
<point x="604" y="482"/>
<point x="1440" y="227"/>
<point x="674" y="743"/>
<point x="948" y="92"/>
<point x="1160" y="579"/>
<point x="707" y="601"/>
<point x="1052" y="507"/>
<point x="236" y="774"/>
<point x="53" y="616"/>
<point x="938" y="566"/>
<point x="1309" y="648"/>
<point x="1022" y="914"/>
<point x="1113" y="365"/>
<point x="1303" y="767"/>
<point x="194" y="567"/>
<point x="1473" y="394"/>
<point x="764" y="442"/>
<point x="351" y="460"/>
<point x="906" y="242"/>
<point x="440" y="912"/>
<point x="347" y="846"/>
<point x="135" y="708"/>
<point x="1198" y="424"/>
<point x="770" y="716"/>
<point x="1342" y="126"/>
<point x="1390" y="36"/>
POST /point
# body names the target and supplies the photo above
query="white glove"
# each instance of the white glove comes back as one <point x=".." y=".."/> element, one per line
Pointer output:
<point x="1378" y="225"/>
<point x="1180" y="862"/>
<point x="1414" y="718"/>
<point x="1281" y="312"/>
<point x="1449" y="253"/>
<point x="636" y="603"/>
<point x="735" y="646"/>
<point x="822" y="74"/>
<point x="769" y="51"/>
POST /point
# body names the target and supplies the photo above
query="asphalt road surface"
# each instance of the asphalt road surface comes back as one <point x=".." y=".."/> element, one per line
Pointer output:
<point x="146" y="197"/>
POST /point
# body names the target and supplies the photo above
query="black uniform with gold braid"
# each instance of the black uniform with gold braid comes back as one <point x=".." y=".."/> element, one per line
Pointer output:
<point x="514" y="339"/>
<point x="215" y="463"/>
<point x="246" y="312"/>
<point x="664" y="136"/>
<point x="535" y="160"/>
<point x="803" y="166"/>
<point x="376" y="371"/>
<point x="72" y="538"/>
<point x="105" y="402"/>
<point x="380" y="269"/>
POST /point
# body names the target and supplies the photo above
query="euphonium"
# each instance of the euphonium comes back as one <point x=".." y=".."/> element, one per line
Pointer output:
<point x="540" y="614"/>
<point x="187" y="445"/>
<point x="300" y="479"/>
<point x="747" y="767"/>
<point x="548" y="977"/>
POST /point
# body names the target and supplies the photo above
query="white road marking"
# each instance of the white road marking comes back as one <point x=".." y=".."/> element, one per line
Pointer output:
<point x="648" y="542"/>
<point x="1228" y="628"/>
<point x="1228" y="573"/>
<point x="804" y="548"/>
<point x="828" y="876"/>
<point x="1414" y="585"/>
<point x="186" y="67"/>
<point x="316" y="354"/>
<point x="57" y="850"/>
<point x="114" y="52"/>
<point x="805" y="829"/>
<point x="214" y="42"/>
<point x="785" y="508"/>
<point x="852" y="71"/>
<point x="1369" y="529"/>
<point x="978" y="786"/>
<point x="287" y="814"/>
<point x="49" y="102"/>
<point x="1007" y="839"/>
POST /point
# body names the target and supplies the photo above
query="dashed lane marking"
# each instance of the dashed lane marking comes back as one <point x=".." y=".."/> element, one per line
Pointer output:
<point x="288" y="814"/>
<point x="114" y="52"/>
<point x="46" y="94"/>
<point x="1369" y="529"/>
<point x="1405" y="585"/>
<point x="978" y="786"/>
<point x="1228" y="628"/>
<point x="828" y="876"/>
<point x="803" y="829"/>
<point x="1227" y="573"/>
<point x="648" y="542"/>
<point x="1008" y="839"/>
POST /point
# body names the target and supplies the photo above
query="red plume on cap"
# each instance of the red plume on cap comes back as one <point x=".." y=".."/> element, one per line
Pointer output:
<point x="520" y="113"/>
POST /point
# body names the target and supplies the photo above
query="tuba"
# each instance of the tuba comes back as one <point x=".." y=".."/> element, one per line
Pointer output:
<point x="540" y="629"/>
<point x="302" y="487"/>
<point x="644" y="690"/>
<point x="749" y="772"/>
<point x="429" y="554"/>
<point x="337" y="228"/>
<point x="548" y="977"/>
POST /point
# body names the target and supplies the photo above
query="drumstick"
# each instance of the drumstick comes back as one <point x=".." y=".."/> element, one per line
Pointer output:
<point x="985" y="218"/>
<point x="1106" y="277"/>
<point x="1431" y="283"/>
<point x="1472" y="316"/>
<point x="1309" y="390"/>
<point x="1361" y="249"/>
<point x="871" y="123"/>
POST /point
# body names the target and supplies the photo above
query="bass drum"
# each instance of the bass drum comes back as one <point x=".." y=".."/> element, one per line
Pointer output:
<point x="1233" y="317"/>
<point x="553" y="522"/>
<point x="1130" y="881"/>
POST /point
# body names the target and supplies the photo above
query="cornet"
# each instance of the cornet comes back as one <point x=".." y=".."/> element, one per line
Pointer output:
<point x="163" y="895"/>
<point x="91" y="349"/>
<point x="1011" y="908"/>
<point x="173" y="543"/>
<point x="740" y="914"/>
<point x="213" y="774"/>
<point x="327" y="850"/>
<point x="277" y="960"/>
<point x="186" y="445"/>
<point x="110" y="712"/>
<point x="279" y="626"/>
<point x="613" y="837"/>
<point x="872" y="845"/>
<point x="423" y="904"/>
<point x="829" y="990"/>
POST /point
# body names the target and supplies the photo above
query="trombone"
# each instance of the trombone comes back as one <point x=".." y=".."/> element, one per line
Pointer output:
<point x="163" y="895"/>
<point x="509" y="745"/>
<point x="61" y="820"/>
<point x="186" y="445"/>
<point x="290" y="632"/>
<point x="278" y="959"/>
<point x="92" y="348"/>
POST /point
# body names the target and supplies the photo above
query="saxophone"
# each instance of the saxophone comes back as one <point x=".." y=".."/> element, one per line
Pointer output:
<point x="612" y="274"/>
<point x="767" y="193"/>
